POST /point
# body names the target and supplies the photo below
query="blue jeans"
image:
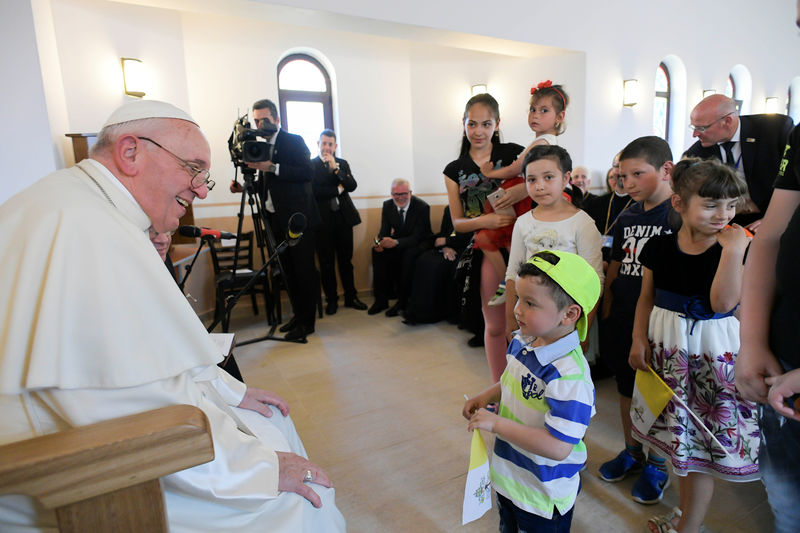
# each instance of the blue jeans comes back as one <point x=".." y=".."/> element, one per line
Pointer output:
<point x="779" y="464"/>
<point x="515" y="520"/>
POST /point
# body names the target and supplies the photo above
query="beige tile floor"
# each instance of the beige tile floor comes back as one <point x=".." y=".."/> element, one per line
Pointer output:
<point x="378" y="405"/>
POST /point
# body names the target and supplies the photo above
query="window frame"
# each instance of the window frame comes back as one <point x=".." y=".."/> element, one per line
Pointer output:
<point x="294" y="95"/>
<point x="666" y="95"/>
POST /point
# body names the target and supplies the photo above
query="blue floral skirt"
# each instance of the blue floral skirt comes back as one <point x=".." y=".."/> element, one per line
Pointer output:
<point x="696" y="359"/>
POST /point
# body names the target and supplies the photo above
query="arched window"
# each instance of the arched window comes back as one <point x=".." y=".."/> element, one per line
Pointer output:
<point x="661" y="103"/>
<point x="730" y="87"/>
<point x="304" y="96"/>
<point x="740" y="88"/>
<point x="670" y="92"/>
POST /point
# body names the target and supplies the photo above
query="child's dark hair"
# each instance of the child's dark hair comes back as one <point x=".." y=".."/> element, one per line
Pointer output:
<point x="549" y="151"/>
<point x="706" y="178"/>
<point x="489" y="101"/>
<point x="652" y="149"/>
<point x="559" y="295"/>
<point x="557" y="95"/>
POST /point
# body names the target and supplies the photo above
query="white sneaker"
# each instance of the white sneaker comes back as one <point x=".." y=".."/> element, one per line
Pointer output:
<point x="499" y="297"/>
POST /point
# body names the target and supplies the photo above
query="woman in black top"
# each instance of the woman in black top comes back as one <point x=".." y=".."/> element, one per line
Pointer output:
<point x="466" y="191"/>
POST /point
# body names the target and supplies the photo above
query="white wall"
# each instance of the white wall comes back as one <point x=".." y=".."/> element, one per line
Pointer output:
<point x="399" y="102"/>
<point x="228" y="69"/>
<point x="397" y="71"/>
<point x="621" y="39"/>
<point x="26" y="152"/>
<point x="441" y="78"/>
<point x="92" y="36"/>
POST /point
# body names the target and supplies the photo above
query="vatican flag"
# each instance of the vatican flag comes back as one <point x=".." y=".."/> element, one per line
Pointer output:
<point x="478" y="490"/>
<point x="650" y="396"/>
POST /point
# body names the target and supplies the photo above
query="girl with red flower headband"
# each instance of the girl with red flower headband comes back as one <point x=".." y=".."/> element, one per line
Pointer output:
<point x="548" y="106"/>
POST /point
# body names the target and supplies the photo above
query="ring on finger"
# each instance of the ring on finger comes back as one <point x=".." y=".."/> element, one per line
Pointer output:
<point x="309" y="476"/>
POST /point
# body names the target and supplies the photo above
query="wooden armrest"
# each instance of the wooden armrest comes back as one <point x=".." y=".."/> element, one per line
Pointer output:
<point x="73" y="465"/>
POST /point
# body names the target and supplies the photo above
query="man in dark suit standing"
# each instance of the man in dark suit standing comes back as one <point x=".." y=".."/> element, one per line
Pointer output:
<point x="751" y="144"/>
<point x="284" y="184"/>
<point x="332" y="176"/>
<point x="405" y="222"/>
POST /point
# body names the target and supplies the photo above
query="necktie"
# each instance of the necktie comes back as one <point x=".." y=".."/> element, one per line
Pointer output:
<point x="728" y="147"/>
<point x="402" y="213"/>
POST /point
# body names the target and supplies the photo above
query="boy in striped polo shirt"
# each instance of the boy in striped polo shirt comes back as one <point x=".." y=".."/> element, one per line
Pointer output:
<point x="546" y="396"/>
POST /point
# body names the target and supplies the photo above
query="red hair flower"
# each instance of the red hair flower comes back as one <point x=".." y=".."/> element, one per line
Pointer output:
<point x="543" y="85"/>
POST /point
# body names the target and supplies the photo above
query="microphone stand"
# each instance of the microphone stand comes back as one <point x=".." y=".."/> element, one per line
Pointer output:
<point x="203" y="240"/>
<point x="231" y="302"/>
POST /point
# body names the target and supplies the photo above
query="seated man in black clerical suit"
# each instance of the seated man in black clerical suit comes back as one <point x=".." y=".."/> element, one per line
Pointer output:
<point x="405" y="222"/>
<point x="752" y="144"/>
<point x="331" y="183"/>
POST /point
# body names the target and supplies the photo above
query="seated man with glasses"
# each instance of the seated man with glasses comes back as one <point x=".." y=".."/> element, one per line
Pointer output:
<point x="405" y="222"/>
<point x="751" y="144"/>
<point x="94" y="328"/>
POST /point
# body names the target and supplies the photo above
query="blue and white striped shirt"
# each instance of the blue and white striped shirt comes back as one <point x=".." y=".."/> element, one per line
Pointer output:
<point x="548" y="387"/>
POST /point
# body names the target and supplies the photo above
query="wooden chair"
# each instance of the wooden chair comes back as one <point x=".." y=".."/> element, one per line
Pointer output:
<point x="105" y="477"/>
<point x="227" y="282"/>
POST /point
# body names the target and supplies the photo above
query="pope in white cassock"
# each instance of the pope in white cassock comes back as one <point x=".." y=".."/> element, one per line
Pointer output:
<point x="93" y="328"/>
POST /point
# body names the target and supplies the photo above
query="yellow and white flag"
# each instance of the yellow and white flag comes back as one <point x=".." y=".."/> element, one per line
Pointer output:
<point x="478" y="490"/>
<point x="650" y="396"/>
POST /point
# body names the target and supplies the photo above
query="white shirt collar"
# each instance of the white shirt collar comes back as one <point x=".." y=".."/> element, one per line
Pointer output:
<point x="112" y="178"/>
<point x="555" y="350"/>
<point x="737" y="136"/>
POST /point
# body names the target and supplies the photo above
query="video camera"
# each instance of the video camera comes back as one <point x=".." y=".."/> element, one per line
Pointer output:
<point x="243" y="144"/>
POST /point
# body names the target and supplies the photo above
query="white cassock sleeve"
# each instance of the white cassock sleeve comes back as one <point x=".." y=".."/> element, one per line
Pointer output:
<point x="229" y="388"/>
<point x="244" y="471"/>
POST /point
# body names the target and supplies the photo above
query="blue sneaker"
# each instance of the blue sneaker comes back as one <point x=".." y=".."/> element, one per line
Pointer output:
<point x="619" y="467"/>
<point x="649" y="488"/>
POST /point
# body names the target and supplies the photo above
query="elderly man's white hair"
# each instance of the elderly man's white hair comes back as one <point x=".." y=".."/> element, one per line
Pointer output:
<point x="400" y="181"/>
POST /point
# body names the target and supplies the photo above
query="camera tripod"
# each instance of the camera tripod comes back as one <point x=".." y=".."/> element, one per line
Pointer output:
<point x="276" y="278"/>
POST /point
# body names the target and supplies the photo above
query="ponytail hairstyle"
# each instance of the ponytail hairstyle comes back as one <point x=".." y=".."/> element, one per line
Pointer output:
<point x="707" y="178"/>
<point x="489" y="101"/>
<point x="557" y="95"/>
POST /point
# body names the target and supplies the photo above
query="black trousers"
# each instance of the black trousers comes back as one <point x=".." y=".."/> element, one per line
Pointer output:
<point x="334" y="242"/>
<point x="301" y="274"/>
<point x="392" y="270"/>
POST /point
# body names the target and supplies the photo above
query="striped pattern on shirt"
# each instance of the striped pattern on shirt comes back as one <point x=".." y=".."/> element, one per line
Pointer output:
<point x="550" y="387"/>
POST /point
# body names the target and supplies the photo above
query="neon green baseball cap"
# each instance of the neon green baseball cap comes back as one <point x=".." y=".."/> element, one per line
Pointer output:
<point x="576" y="277"/>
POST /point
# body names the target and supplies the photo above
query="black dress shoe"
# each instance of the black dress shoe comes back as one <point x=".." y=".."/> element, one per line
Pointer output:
<point x="394" y="310"/>
<point x="377" y="307"/>
<point x="331" y="308"/>
<point x="475" y="341"/>
<point x="356" y="304"/>
<point x="289" y="325"/>
<point x="299" y="332"/>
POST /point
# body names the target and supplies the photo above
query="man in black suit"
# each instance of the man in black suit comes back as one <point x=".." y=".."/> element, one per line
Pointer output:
<point x="332" y="176"/>
<point x="284" y="185"/>
<point x="405" y="222"/>
<point x="752" y="144"/>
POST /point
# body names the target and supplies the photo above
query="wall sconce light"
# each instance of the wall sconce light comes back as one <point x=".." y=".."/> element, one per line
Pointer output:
<point x="771" y="104"/>
<point x="630" y="93"/>
<point x="479" y="89"/>
<point x="709" y="92"/>
<point x="133" y="76"/>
